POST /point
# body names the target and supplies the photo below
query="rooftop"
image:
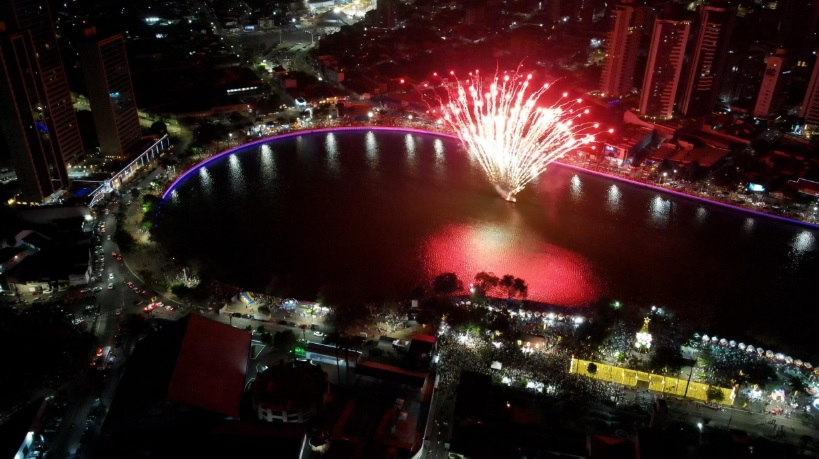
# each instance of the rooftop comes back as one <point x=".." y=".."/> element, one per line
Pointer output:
<point x="210" y="369"/>
<point x="289" y="385"/>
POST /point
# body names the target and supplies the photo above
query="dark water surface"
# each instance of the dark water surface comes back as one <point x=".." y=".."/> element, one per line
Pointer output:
<point x="385" y="211"/>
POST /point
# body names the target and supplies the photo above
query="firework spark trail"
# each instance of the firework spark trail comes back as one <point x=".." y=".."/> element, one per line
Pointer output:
<point x="512" y="137"/>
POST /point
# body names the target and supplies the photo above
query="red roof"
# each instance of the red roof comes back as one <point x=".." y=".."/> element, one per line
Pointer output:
<point x="210" y="369"/>
<point x="424" y="338"/>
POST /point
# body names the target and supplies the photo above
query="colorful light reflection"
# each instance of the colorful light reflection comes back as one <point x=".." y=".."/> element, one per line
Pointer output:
<point x="554" y="275"/>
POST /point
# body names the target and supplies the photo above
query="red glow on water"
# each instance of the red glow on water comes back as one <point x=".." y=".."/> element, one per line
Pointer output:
<point x="554" y="275"/>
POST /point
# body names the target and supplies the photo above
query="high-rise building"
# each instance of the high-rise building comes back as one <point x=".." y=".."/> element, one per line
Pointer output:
<point x="663" y="68"/>
<point x="742" y="76"/>
<point x="810" y="106"/>
<point x="583" y="10"/>
<point x="385" y="13"/>
<point x="797" y="28"/>
<point x="772" y="91"/>
<point x="36" y="112"/>
<point x="111" y="94"/>
<point x="713" y="33"/>
<point x="626" y="27"/>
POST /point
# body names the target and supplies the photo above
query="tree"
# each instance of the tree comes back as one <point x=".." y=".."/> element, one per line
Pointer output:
<point x="506" y="284"/>
<point x="486" y="281"/>
<point x="284" y="340"/>
<point x="447" y="284"/>
<point x="124" y="240"/>
<point x="345" y="315"/>
<point x="150" y="204"/>
<point x="796" y="384"/>
<point x="715" y="395"/>
<point x="182" y="292"/>
<point x="159" y="128"/>
<point x="667" y="358"/>
<point x="519" y="288"/>
<point x="592" y="368"/>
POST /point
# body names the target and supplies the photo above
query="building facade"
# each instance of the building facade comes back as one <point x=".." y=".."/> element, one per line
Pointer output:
<point x="36" y="112"/>
<point x="623" y="42"/>
<point x="744" y="70"/>
<point x="810" y="105"/>
<point x="663" y="68"/>
<point x="111" y="95"/>
<point x="709" y="48"/>
<point x="772" y="91"/>
<point x="385" y="13"/>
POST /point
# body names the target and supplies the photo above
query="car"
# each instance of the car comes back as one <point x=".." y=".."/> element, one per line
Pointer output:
<point x="111" y="286"/>
<point x="110" y="275"/>
<point x="109" y="237"/>
<point x="236" y="314"/>
<point x="119" y="257"/>
<point x="102" y="230"/>
<point x="318" y="333"/>
<point x="113" y="254"/>
<point x="97" y="289"/>
<point x="130" y="285"/>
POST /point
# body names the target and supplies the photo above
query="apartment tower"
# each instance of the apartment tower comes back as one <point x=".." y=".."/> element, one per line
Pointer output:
<point x="810" y="106"/>
<point x="709" y="48"/>
<point x="36" y="111"/>
<point x="385" y="13"/>
<point x="772" y="91"/>
<point x="663" y="68"/>
<point x="111" y="94"/>
<point x="626" y="27"/>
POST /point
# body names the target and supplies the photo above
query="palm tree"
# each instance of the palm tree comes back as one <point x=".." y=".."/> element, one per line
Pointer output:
<point x="796" y="384"/>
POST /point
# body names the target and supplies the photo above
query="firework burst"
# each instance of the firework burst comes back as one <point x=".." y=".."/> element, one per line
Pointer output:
<point x="507" y="130"/>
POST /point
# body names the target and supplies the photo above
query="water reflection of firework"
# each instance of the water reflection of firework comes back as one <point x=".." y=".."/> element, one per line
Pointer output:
<point x="512" y="136"/>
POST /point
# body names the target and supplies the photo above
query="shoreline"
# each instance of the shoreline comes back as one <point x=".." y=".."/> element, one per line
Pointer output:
<point x="560" y="162"/>
<point x="693" y="197"/>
